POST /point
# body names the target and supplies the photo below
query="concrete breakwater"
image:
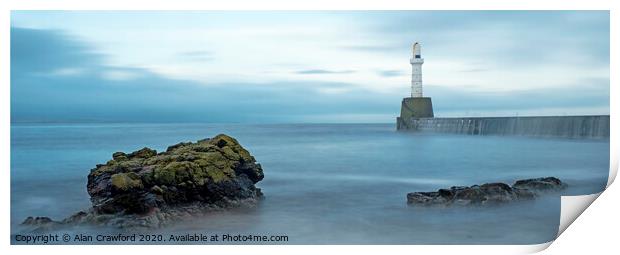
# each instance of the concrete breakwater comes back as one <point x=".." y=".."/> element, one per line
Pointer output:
<point x="589" y="126"/>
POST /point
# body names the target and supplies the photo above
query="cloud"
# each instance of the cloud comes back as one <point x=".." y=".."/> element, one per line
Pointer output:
<point x="473" y="70"/>
<point x="506" y="37"/>
<point x="594" y="95"/>
<point x="485" y="62"/>
<point x="390" y="73"/>
<point x="114" y="73"/>
<point x="67" y="71"/>
<point x="372" y="48"/>
<point x="97" y="96"/>
<point x="518" y="48"/>
<point x="323" y="71"/>
<point x="199" y="55"/>
<point x="47" y="51"/>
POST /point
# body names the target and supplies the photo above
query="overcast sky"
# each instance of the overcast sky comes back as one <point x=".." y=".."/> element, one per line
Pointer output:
<point x="304" y="66"/>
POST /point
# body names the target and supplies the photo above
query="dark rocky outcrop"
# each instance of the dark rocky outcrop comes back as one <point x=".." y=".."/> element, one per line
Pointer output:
<point x="489" y="193"/>
<point x="540" y="184"/>
<point x="149" y="189"/>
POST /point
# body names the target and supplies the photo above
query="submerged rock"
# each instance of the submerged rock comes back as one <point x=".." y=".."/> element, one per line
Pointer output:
<point x="489" y="193"/>
<point x="42" y="223"/>
<point x="149" y="189"/>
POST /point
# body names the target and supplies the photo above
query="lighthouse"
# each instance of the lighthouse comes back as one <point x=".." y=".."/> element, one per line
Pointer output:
<point x="417" y="106"/>
<point x="416" y="70"/>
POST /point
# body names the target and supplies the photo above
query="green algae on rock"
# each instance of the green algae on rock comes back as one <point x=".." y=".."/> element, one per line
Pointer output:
<point x="211" y="171"/>
<point x="149" y="189"/>
<point x="126" y="181"/>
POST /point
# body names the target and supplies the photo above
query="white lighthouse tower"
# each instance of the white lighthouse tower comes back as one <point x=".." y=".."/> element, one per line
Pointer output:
<point x="416" y="71"/>
<point x="417" y="106"/>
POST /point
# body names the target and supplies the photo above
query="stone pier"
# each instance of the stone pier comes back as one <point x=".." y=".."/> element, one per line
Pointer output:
<point x="588" y="126"/>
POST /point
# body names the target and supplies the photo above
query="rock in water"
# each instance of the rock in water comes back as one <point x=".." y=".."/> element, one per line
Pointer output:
<point x="149" y="189"/>
<point x="212" y="171"/>
<point x="541" y="184"/>
<point x="489" y="193"/>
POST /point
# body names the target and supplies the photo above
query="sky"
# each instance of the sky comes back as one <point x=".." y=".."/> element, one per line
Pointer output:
<point x="300" y="67"/>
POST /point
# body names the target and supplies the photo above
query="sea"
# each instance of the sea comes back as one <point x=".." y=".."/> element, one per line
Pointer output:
<point x="324" y="183"/>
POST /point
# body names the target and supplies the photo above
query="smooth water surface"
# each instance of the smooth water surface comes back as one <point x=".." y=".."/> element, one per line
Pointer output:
<point x="332" y="183"/>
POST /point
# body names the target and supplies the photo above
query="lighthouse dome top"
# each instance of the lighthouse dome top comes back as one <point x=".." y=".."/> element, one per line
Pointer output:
<point x="417" y="49"/>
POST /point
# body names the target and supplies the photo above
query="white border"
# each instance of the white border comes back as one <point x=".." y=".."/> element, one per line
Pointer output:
<point x="6" y="6"/>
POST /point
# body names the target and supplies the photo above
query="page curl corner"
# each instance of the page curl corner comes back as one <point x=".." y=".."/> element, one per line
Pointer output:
<point x="572" y="207"/>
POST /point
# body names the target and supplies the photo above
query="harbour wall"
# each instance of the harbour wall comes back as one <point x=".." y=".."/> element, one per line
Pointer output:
<point x="587" y="126"/>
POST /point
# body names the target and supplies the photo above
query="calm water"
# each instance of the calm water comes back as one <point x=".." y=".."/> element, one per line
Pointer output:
<point x="343" y="184"/>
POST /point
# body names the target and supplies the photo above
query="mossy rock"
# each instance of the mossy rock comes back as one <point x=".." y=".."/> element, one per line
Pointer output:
<point x="220" y="174"/>
<point x="157" y="190"/>
<point x="178" y="172"/>
<point x="129" y="165"/>
<point x="126" y="181"/>
<point x="143" y="153"/>
<point x="222" y="140"/>
<point x="119" y="156"/>
<point x="212" y="170"/>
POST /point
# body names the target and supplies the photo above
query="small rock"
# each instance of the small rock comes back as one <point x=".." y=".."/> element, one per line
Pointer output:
<point x="143" y="153"/>
<point x="540" y="184"/>
<point x="489" y="193"/>
<point x="37" y="221"/>
<point x="119" y="156"/>
<point x="157" y="190"/>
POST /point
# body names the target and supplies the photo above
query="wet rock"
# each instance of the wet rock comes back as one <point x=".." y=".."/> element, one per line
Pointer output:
<point x="122" y="182"/>
<point x="540" y="184"/>
<point x="37" y="221"/>
<point x="209" y="171"/>
<point x="489" y="193"/>
<point x="37" y="224"/>
<point x="149" y="189"/>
